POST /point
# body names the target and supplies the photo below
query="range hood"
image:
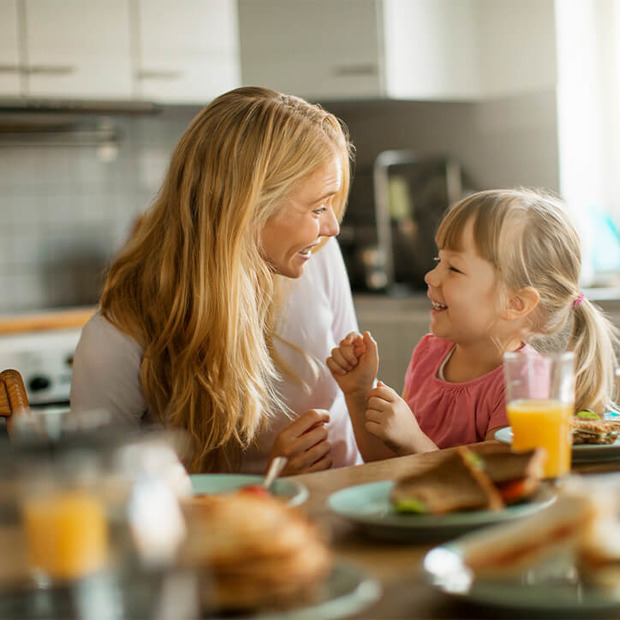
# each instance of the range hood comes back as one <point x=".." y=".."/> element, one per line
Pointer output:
<point x="85" y="106"/>
<point x="66" y="122"/>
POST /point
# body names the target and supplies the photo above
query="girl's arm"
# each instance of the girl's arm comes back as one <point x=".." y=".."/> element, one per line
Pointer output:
<point x="372" y="447"/>
<point x="354" y="364"/>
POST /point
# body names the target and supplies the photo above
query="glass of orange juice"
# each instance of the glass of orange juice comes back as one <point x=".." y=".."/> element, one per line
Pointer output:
<point x="540" y="398"/>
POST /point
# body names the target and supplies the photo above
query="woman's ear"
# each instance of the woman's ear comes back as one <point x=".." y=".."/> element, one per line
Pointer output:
<point x="521" y="303"/>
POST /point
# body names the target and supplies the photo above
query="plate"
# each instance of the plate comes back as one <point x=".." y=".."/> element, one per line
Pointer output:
<point x="581" y="452"/>
<point x="295" y="492"/>
<point x="369" y="506"/>
<point x="348" y="590"/>
<point x="546" y="591"/>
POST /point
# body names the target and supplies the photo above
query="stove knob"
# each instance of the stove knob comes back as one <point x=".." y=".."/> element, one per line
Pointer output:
<point x="38" y="383"/>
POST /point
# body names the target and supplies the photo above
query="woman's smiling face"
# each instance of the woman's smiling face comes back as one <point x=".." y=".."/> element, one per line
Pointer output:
<point x="306" y="217"/>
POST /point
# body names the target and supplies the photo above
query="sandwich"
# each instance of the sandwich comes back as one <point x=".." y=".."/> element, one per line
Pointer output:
<point x="580" y="530"/>
<point x="589" y="430"/>
<point x="455" y="483"/>
<point x="464" y="479"/>
<point x="598" y="556"/>
<point x="510" y="549"/>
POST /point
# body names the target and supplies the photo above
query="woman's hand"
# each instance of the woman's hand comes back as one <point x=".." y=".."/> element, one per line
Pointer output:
<point x="354" y="363"/>
<point x="304" y="443"/>
<point x="389" y="418"/>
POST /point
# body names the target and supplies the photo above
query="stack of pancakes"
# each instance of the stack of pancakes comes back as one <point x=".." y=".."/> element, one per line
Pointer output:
<point x="257" y="553"/>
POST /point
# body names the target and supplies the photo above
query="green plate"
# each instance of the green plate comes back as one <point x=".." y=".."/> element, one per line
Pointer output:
<point x="550" y="590"/>
<point x="295" y="492"/>
<point x="347" y="591"/>
<point x="369" y="506"/>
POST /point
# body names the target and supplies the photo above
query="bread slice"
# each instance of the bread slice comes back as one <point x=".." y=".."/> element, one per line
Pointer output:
<point x="457" y="482"/>
<point x="503" y="465"/>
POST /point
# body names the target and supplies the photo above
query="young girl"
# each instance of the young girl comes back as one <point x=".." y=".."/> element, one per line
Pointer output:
<point x="507" y="275"/>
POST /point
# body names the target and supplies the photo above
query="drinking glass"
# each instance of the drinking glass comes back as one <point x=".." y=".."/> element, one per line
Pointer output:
<point x="540" y="399"/>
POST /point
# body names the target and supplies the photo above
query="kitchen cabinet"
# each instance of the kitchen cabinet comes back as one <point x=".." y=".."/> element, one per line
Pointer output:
<point x="439" y="50"/>
<point x="163" y="50"/>
<point x="186" y="51"/>
<point x="9" y="48"/>
<point x="77" y="49"/>
<point x="315" y="48"/>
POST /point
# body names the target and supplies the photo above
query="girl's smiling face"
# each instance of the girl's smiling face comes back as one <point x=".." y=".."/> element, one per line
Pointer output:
<point x="306" y="217"/>
<point x="464" y="290"/>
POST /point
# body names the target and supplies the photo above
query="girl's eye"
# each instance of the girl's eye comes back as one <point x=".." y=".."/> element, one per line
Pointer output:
<point x="455" y="270"/>
<point x="320" y="210"/>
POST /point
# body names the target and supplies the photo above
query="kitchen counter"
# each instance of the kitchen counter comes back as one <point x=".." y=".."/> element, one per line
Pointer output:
<point x="45" y="320"/>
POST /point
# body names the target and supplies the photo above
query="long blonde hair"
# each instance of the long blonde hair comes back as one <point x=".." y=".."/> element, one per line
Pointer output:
<point x="191" y="286"/>
<point x="529" y="238"/>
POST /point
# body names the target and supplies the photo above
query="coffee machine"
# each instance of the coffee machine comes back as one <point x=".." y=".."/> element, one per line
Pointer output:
<point x="388" y="232"/>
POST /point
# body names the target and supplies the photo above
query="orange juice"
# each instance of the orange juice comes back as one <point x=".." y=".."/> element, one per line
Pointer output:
<point x="66" y="534"/>
<point x="544" y="424"/>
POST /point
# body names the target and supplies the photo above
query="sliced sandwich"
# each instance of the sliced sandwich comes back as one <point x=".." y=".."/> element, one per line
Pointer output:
<point x="455" y="483"/>
<point x="464" y="479"/>
<point x="510" y="549"/>
<point x="593" y="431"/>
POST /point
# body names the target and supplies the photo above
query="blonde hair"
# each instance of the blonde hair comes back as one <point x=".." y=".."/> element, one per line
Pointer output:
<point x="191" y="285"/>
<point x="530" y="240"/>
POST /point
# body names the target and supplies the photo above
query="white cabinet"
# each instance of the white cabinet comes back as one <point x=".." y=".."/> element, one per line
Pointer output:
<point x="65" y="48"/>
<point x="186" y="51"/>
<point x="9" y="48"/>
<point x="412" y="49"/>
<point x="312" y="48"/>
<point x="165" y="50"/>
<point x="430" y="50"/>
<point x="79" y="49"/>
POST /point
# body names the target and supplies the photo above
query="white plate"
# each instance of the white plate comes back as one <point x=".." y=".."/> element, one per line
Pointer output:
<point x="580" y="453"/>
<point x="546" y="591"/>
<point x="295" y="492"/>
<point x="348" y="590"/>
<point x="369" y="506"/>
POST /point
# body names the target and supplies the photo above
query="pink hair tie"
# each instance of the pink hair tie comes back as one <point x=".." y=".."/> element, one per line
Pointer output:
<point x="578" y="300"/>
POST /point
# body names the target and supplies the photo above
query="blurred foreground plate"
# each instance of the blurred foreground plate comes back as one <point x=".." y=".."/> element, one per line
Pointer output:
<point x="548" y="591"/>
<point x="582" y="453"/>
<point x="348" y="590"/>
<point x="295" y="492"/>
<point x="369" y="506"/>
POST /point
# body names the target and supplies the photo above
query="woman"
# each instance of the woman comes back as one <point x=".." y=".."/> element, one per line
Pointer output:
<point x="193" y="330"/>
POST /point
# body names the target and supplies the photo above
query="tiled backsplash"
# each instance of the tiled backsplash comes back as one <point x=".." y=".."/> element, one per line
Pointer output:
<point x="65" y="210"/>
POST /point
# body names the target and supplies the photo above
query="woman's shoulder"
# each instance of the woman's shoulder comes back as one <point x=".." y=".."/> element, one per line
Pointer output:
<point x="102" y="334"/>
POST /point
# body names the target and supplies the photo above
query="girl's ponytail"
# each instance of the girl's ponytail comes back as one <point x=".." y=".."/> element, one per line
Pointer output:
<point x="594" y="340"/>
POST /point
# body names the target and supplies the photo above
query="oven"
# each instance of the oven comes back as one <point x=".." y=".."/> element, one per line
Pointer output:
<point x="45" y="360"/>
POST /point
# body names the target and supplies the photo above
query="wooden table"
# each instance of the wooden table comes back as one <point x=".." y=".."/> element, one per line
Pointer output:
<point x="397" y="565"/>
